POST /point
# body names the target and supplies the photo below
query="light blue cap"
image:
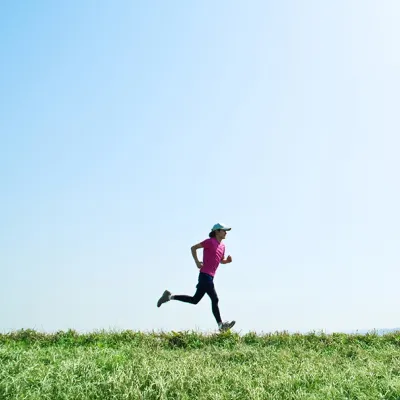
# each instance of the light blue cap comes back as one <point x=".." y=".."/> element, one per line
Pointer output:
<point x="219" y="226"/>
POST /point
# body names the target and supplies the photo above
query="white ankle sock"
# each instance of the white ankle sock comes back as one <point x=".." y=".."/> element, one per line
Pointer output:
<point x="171" y="296"/>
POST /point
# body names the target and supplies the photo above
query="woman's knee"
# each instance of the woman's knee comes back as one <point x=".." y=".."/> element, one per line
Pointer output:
<point x="196" y="300"/>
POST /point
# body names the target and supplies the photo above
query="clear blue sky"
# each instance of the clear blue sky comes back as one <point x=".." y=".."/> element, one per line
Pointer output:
<point x="127" y="129"/>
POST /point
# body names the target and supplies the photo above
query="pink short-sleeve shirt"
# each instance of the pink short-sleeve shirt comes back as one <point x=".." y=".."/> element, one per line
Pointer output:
<point x="213" y="253"/>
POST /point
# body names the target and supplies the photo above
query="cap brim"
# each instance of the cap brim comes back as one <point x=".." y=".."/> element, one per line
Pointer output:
<point x="220" y="229"/>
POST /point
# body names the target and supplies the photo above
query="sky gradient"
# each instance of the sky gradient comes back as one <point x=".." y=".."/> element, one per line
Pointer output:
<point x="127" y="129"/>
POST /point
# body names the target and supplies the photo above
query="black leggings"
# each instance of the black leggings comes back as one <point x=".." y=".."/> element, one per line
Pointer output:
<point x="205" y="285"/>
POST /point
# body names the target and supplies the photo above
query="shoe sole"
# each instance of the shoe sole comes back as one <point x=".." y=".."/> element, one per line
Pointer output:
<point x="163" y="299"/>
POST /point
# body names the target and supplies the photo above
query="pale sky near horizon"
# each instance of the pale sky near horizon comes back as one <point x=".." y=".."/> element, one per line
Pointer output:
<point x="127" y="129"/>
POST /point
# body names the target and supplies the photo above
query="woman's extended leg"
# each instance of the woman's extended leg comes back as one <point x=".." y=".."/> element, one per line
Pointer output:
<point x="167" y="296"/>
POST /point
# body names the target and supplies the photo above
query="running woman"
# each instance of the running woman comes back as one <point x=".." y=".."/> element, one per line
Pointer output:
<point x="213" y="255"/>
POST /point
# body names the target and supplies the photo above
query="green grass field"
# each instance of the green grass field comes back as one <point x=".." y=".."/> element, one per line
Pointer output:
<point x="188" y="365"/>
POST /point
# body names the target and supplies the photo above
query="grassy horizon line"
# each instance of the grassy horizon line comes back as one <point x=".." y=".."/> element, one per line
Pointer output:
<point x="193" y="339"/>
